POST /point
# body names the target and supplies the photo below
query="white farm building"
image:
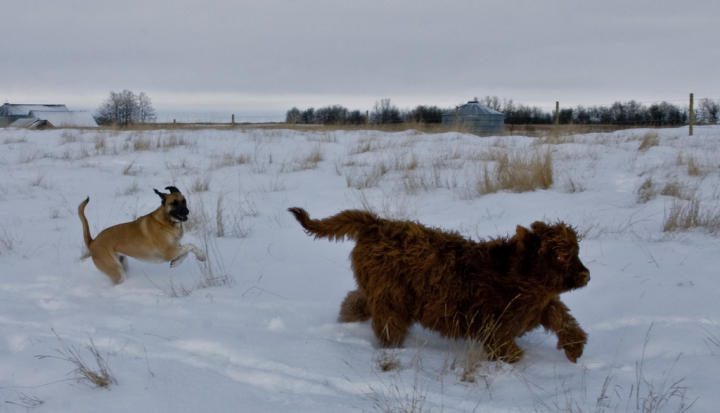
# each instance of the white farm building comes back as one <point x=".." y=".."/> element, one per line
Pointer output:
<point x="44" y="116"/>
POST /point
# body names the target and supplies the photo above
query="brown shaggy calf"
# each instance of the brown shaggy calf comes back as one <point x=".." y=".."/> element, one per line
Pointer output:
<point x="492" y="291"/>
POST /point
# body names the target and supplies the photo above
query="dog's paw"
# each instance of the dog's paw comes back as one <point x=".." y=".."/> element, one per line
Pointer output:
<point x="177" y="261"/>
<point x="200" y="255"/>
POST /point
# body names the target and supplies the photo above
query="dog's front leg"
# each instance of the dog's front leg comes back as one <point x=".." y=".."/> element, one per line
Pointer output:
<point x="177" y="261"/>
<point x="571" y="337"/>
<point x="182" y="252"/>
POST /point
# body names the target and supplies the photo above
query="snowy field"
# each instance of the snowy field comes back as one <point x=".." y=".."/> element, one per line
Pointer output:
<point x="254" y="329"/>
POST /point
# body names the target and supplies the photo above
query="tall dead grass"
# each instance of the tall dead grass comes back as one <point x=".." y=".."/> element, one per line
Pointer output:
<point x="648" y="140"/>
<point x="99" y="376"/>
<point x="519" y="172"/>
<point x="682" y="215"/>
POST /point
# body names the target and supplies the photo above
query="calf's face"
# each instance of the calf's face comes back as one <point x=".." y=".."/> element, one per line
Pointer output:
<point x="557" y="258"/>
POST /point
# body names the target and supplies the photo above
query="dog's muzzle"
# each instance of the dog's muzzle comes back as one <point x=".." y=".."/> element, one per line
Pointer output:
<point x="180" y="214"/>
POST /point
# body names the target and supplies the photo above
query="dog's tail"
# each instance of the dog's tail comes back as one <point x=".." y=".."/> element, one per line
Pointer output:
<point x="86" y="228"/>
<point x="345" y="224"/>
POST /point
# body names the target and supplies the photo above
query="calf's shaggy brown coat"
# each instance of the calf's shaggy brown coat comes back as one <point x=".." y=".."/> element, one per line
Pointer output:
<point x="492" y="291"/>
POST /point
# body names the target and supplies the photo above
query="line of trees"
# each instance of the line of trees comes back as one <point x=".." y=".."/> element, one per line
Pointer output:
<point x="125" y="108"/>
<point x="384" y="112"/>
<point x="619" y="113"/>
<point x="328" y="115"/>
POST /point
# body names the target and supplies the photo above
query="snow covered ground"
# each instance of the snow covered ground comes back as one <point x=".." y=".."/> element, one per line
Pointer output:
<point x="255" y="330"/>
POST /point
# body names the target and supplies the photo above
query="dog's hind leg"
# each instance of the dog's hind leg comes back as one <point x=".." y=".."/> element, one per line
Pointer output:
<point x="111" y="266"/>
<point x="354" y="308"/>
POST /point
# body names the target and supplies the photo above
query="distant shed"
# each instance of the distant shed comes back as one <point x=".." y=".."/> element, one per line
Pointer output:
<point x="477" y="118"/>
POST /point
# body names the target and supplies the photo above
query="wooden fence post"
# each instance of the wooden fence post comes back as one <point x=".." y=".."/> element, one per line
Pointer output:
<point x="457" y="117"/>
<point x="691" y="115"/>
<point x="367" y="117"/>
<point x="557" y="114"/>
<point x="233" y="119"/>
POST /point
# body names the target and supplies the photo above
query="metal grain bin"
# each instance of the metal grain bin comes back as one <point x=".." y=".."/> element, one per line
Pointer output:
<point x="476" y="118"/>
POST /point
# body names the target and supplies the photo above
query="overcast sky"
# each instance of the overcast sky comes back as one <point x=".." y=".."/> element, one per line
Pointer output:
<point x="265" y="56"/>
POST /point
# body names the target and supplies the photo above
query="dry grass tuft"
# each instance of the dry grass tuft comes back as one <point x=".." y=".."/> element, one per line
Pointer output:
<point x="214" y="273"/>
<point x="133" y="189"/>
<point x="67" y="137"/>
<point x="130" y="169"/>
<point x="201" y="184"/>
<point x="99" y="376"/>
<point x="311" y="160"/>
<point x="9" y="141"/>
<point x="220" y="225"/>
<point x="172" y="140"/>
<point x="517" y="173"/>
<point x="387" y="360"/>
<point x="228" y="160"/>
<point x="572" y="185"/>
<point x="364" y="179"/>
<point x="693" y="168"/>
<point x="649" y="140"/>
<point x="100" y="144"/>
<point x="679" y="190"/>
<point x="7" y="239"/>
<point x="467" y="364"/>
<point x="27" y="402"/>
<point x="39" y="179"/>
<point x="323" y="136"/>
<point x="683" y="215"/>
<point x="395" y="397"/>
<point x="646" y="191"/>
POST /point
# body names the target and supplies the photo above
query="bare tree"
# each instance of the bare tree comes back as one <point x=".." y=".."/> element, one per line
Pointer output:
<point x="709" y="110"/>
<point x="292" y="116"/>
<point x="385" y="112"/>
<point x="492" y="102"/>
<point x="125" y="108"/>
<point x="146" y="112"/>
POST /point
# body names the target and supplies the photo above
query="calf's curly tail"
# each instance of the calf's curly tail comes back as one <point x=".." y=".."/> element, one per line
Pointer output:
<point x="347" y="224"/>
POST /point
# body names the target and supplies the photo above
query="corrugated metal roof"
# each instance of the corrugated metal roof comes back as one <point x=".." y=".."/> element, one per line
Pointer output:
<point x="27" y="123"/>
<point x="474" y="108"/>
<point x="80" y="119"/>
<point x="10" y="109"/>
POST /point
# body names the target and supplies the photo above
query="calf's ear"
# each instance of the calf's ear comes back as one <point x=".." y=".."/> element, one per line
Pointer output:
<point x="539" y="226"/>
<point x="521" y="233"/>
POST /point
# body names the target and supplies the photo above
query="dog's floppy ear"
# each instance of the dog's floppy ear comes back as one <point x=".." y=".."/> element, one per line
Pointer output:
<point x="162" y="196"/>
<point x="172" y="189"/>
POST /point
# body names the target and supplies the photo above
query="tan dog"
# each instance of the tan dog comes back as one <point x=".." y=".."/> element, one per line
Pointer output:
<point x="154" y="237"/>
